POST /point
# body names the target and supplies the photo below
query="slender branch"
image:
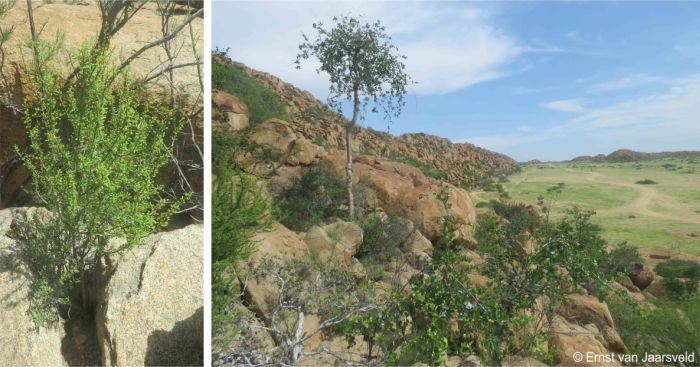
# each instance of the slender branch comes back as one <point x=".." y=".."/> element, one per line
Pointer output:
<point x="159" y="42"/>
<point x="171" y="68"/>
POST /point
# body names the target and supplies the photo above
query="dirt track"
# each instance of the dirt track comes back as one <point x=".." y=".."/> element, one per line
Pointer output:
<point x="640" y="205"/>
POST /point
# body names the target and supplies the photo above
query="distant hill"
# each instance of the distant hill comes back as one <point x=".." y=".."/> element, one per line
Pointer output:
<point x="461" y="164"/>
<point x="627" y="155"/>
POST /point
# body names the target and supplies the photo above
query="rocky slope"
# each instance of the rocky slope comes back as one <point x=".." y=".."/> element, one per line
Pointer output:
<point x="461" y="164"/>
<point x="145" y="315"/>
<point x="581" y="324"/>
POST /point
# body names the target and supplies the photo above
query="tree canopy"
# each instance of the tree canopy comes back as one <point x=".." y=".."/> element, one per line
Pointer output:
<point x="362" y="64"/>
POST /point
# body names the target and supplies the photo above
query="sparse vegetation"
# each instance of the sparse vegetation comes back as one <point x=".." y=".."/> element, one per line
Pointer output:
<point x="426" y="168"/>
<point x="263" y="103"/>
<point x="622" y="206"/>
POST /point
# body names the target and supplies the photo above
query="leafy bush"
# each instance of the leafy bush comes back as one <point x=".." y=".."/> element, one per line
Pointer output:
<point x="681" y="277"/>
<point x="224" y="146"/>
<point x="263" y="103"/>
<point x="679" y="288"/>
<point x="623" y="259"/>
<point x="96" y="152"/>
<point x="483" y="204"/>
<point x="444" y="312"/>
<point x="317" y="195"/>
<point x="382" y="237"/>
<point x="240" y="209"/>
<point x="678" y="268"/>
<point x="646" y="181"/>
<point x="520" y="218"/>
<point x="661" y="330"/>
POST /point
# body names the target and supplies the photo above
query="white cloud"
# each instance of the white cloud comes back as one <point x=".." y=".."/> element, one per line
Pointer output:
<point x="449" y="46"/>
<point x="565" y="105"/>
<point x="676" y="109"/>
<point x="662" y="121"/>
<point x="631" y="81"/>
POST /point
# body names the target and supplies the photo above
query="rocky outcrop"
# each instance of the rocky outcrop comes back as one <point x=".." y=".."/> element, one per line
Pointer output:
<point x="583" y="309"/>
<point x="339" y="241"/>
<point x="145" y="315"/>
<point x="461" y="164"/>
<point x="642" y="277"/>
<point x="584" y="325"/>
<point x="570" y="339"/>
<point x="405" y="191"/>
<point x="278" y="137"/>
<point x="278" y="245"/>
<point x="274" y="134"/>
<point x="228" y="111"/>
<point x="22" y="342"/>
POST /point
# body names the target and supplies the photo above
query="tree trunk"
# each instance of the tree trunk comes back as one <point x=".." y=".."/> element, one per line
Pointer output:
<point x="83" y="289"/>
<point x="298" y="346"/>
<point x="348" y="151"/>
<point x="348" y="168"/>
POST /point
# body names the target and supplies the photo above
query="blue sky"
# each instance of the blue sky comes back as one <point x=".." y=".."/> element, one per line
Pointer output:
<point x="545" y="80"/>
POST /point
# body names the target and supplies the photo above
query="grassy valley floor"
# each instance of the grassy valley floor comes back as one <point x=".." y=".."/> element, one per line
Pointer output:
<point x="664" y="215"/>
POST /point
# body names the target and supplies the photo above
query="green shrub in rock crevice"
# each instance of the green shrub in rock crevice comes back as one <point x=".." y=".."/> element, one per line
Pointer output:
<point x="95" y="155"/>
<point x="381" y="236"/>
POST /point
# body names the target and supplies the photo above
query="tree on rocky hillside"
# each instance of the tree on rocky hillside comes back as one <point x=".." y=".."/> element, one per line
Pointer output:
<point x="364" y="67"/>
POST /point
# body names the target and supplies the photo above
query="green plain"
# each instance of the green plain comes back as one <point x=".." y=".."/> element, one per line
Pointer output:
<point x="662" y="215"/>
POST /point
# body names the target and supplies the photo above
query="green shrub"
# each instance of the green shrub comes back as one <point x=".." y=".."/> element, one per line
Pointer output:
<point x="483" y="204"/>
<point x="240" y="209"/>
<point x="96" y="151"/>
<point x="646" y="181"/>
<point x="317" y="195"/>
<point x="623" y="259"/>
<point x="382" y="237"/>
<point x="679" y="288"/>
<point x="678" y="268"/>
<point x="224" y="146"/>
<point x="263" y="103"/>
<point x="520" y="218"/>
<point x="661" y="330"/>
<point x="444" y="313"/>
<point x="681" y="277"/>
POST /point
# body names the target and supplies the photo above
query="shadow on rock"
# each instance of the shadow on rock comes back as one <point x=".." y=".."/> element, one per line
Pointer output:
<point x="181" y="346"/>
